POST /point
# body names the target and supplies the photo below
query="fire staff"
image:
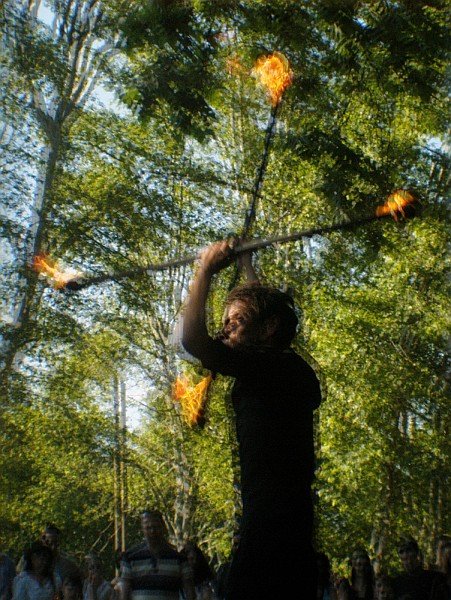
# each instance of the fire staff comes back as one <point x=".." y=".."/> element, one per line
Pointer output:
<point x="274" y="396"/>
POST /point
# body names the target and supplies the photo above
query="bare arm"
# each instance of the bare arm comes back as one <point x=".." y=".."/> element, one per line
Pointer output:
<point x="245" y="261"/>
<point x="195" y="334"/>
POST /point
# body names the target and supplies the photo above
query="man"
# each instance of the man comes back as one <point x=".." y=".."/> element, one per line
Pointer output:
<point x="63" y="566"/>
<point x="154" y="569"/>
<point x="415" y="583"/>
<point x="274" y="396"/>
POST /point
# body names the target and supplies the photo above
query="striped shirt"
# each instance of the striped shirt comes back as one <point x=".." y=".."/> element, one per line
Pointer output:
<point x="152" y="577"/>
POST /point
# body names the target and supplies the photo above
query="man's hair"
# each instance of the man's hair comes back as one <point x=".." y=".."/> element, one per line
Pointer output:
<point x="264" y="302"/>
<point x="39" y="549"/>
<point x="408" y="544"/>
<point x="157" y="515"/>
<point x="74" y="581"/>
<point x="50" y="528"/>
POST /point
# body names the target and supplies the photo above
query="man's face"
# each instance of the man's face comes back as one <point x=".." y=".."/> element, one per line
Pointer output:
<point x="51" y="539"/>
<point x="409" y="560"/>
<point x="239" y="328"/>
<point x="152" y="529"/>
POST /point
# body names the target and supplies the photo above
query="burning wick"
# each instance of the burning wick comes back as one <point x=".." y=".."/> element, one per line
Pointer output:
<point x="275" y="74"/>
<point x="192" y="398"/>
<point x="59" y="279"/>
<point x="396" y="204"/>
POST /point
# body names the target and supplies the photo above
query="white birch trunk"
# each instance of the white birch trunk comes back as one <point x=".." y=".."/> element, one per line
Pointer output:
<point x="75" y="28"/>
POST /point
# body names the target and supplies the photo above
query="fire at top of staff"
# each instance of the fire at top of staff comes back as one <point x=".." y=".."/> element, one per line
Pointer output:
<point x="49" y="268"/>
<point x="275" y="74"/>
<point x="397" y="203"/>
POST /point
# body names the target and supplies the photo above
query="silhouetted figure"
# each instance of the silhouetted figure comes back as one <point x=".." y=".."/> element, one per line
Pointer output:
<point x="415" y="583"/>
<point x="274" y="396"/>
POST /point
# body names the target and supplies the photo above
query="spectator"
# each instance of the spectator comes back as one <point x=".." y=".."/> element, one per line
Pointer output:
<point x="203" y="574"/>
<point x="95" y="586"/>
<point x="325" y="587"/>
<point x="415" y="583"/>
<point x="383" y="588"/>
<point x="63" y="565"/>
<point x="7" y="574"/>
<point x="443" y="543"/>
<point x="441" y="587"/>
<point x="37" y="581"/>
<point x="154" y="567"/>
<point x="362" y="576"/>
<point x="72" y="588"/>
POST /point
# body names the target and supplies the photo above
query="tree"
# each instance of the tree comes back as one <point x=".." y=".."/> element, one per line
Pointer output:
<point x="57" y="67"/>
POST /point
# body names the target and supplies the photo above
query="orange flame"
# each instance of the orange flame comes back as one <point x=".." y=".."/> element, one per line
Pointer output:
<point x="47" y="267"/>
<point x="396" y="204"/>
<point x="275" y="74"/>
<point x="192" y="397"/>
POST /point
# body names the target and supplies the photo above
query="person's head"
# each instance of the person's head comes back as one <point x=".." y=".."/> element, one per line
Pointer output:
<point x="236" y="539"/>
<point x="361" y="565"/>
<point x="198" y="563"/>
<point x="410" y="555"/>
<point x="39" y="559"/>
<point x="383" y="589"/>
<point x="153" y="526"/>
<point x="445" y="558"/>
<point x="259" y="315"/>
<point x="442" y="542"/>
<point x="51" y="537"/>
<point x="72" y="588"/>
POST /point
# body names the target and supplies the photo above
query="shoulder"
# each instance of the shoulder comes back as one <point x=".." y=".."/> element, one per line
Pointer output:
<point x="136" y="552"/>
<point x="171" y="553"/>
<point x="21" y="582"/>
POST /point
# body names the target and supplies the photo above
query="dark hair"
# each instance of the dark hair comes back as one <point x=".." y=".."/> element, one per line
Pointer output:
<point x="408" y="544"/>
<point x="39" y="549"/>
<point x="202" y="570"/>
<point x="157" y="515"/>
<point x="74" y="581"/>
<point x="385" y="580"/>
<point x="444" y="565"/>
<point x="368" y="573"/>
<point x="265" y="302"/>
<point x="49" y="528"/>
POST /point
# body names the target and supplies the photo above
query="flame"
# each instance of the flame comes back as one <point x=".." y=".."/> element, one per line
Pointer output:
<point x="192" y="397"/>
<point x="275" y="74"/>
<point x="48" y="267"/>
<point x="395" y="204"/>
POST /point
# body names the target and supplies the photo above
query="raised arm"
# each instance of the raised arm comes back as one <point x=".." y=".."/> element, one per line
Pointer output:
<point x="245" y="261"/>
<point x="195" y="336"/>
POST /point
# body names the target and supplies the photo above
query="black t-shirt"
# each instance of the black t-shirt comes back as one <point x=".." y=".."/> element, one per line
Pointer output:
<point x="274" y="395"/>
<point x="414" y="586"/>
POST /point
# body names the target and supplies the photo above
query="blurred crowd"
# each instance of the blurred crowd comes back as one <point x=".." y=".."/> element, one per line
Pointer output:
<point x="154" y="569"/>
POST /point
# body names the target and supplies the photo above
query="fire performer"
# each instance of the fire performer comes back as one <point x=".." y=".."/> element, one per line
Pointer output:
<point x="274" y="396"/>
